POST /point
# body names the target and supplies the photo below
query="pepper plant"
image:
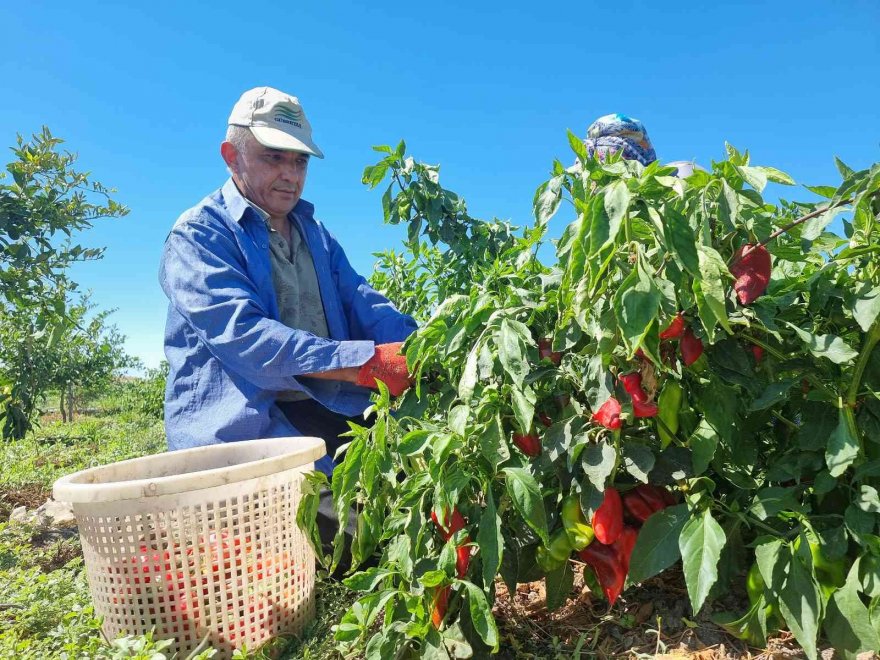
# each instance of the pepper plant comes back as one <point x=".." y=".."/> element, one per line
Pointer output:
<point x="718" y="347"/>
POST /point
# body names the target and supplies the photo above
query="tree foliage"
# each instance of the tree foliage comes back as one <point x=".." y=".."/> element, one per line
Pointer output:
<point x="46" y="343"/>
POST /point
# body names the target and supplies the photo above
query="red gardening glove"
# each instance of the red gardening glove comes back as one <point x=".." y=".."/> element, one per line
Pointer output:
<point x="388" y="366"/>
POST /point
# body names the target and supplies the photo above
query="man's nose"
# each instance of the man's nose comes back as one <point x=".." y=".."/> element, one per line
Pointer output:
<point x="291" y="172"/>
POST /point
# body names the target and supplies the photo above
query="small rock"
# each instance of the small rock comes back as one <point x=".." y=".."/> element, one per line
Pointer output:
<point x="58" y="515"/>
<point x="19" y="514"/>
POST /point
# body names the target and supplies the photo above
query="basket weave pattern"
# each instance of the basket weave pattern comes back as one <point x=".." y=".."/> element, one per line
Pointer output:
<point x="226" y="562"/>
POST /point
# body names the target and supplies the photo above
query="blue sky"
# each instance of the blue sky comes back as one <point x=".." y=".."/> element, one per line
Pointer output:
<point x="487" y="90"/>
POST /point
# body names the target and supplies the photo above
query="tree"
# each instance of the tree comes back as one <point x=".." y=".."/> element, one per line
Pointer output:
<point x="40" y="208"/>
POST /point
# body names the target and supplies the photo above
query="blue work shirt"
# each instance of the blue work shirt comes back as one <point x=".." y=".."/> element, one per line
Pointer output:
<point x="229" y="354"/>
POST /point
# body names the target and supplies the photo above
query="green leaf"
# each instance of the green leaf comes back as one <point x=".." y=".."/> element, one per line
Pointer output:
<point x="847" y="622"/>
<point x="524" y="407"/>
<point x="770" y="501"/>
<point x="458" y="418"/>
<point x="777" y="176"/>
<point x="638" y="460"/>
<point x="637" y="305"/>
<point x="703" y="443"/>
<point x="481" y="614"/>
<point x="616" y="202"/>
<point x="843" y="446"/>
<point x="511" y="352"/>
<point x="578" y="147"/>
<point x="845" y="170"/>
<point x="728" y="206"/>
<point x="373" y="174"/>
<point x="822" y="191"/>
<point x="814" y="226"/>
<point x="657" y="546"/>
<point x="774" y="393"/>
<point x="710" y="291"/>
<point x="547" y="198"/>
<point x="767" y="555"/>
<point x="751" y="627"/>
<point x="433" y="578"/>
<point x="681" y="238"/>
<point x="868" y="499"/>
<point x="307" y="513"/>
<point x="819" y="421"/>
<point x="469" y="374"/>
<point x="493" y="444"/>
<point x="827" y="346"/>
<point x="598" y="460"/>
<point x="753" y="176"/>
<point x="866" y="306"/>
<point x="525" y="494"/>
<point x="558" y="586"/>
<point x="414" y="442"/>
<point x="700" y="543"/>
<point x="801" y="605"/>
<point x="490" y="540"/>
<point x="455" y="642"/>
<point x="368" y="579"/>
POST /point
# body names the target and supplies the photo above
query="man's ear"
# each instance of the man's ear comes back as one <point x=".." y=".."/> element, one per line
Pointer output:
<point x="230" y="154"/>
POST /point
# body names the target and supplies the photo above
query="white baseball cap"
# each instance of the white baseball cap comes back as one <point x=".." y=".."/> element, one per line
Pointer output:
<point x="276" y="120"/>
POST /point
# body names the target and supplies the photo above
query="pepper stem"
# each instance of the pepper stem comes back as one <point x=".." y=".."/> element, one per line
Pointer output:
<point x="864" y="355"/>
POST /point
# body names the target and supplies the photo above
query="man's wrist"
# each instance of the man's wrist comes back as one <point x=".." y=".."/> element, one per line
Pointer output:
<point x="346" y="374"/>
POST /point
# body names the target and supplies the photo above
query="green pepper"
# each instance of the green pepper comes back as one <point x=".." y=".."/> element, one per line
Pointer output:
<point x="755" y="589"/>
<point x="831" y="573"/>
<point x="669" y="404"/>
<point x="580" y="534"/>
<point x="554" y="555"/>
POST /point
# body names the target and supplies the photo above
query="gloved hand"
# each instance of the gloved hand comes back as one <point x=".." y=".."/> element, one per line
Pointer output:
<point x="388" y="366"/>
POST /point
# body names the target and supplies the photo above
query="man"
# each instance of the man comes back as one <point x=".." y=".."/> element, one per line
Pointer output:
<point x="270" y="331"/>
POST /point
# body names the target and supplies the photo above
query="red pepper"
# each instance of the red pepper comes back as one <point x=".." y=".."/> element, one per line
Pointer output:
<point x="608" y="414"/>
<point x="608" y="517"/>
<point x="463" y="558"/>
<point x="751" y="268"/>
<point x="642" y="406"/>
<point x="636" y="507"/>
<point x="545" y="419"/>
<point x="439" y="605"/>
<point x="545" y="352"/>
<point x="644" y="500"/>
<point x="669" y="498"/>
<point x="604" y="560"/>
<point x="645" y="409"/>
<point x="455" y="521"/>
<point x="691" y="347"/>
<point x="528" y="443"/>
<point x="675" y="329"/>
<point x="632" y="383"/>
<point x="654" y="496"/>
<point x="758" y="353"/>
<point x="624" y="546"/>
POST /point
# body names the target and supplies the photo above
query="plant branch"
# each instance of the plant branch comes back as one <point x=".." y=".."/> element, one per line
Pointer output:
<point x="802" y="219"/>
<point x="867" y="348"/>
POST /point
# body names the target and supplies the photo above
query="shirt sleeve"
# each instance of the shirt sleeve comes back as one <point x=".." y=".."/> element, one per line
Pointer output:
<point x="370" y="314"/>
<point x="203" y="274"/>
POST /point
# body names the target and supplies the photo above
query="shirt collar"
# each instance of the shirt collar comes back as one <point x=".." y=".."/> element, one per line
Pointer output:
<point x="238" y="204"/>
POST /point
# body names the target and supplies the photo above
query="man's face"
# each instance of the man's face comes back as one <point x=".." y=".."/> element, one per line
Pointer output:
<point x="270" y="178"/>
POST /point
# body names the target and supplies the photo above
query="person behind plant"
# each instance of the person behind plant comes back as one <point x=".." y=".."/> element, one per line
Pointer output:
<point x="620" y="133"/>
<point x="270" y="332"/>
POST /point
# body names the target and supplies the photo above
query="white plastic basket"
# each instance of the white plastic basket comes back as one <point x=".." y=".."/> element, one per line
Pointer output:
<point x="199" y="542"/>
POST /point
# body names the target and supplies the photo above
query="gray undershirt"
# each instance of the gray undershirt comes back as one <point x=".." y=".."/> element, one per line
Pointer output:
<point x="296" y="288"/>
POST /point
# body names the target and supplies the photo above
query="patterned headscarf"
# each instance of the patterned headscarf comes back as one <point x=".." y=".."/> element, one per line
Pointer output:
<point x="613" y="133"/>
